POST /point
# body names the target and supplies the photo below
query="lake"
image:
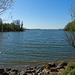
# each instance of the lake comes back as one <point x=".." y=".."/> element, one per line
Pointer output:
<point x="34" y="47"/>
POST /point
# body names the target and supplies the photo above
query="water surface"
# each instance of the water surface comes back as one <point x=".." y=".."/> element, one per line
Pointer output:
<point x="18" y="49"/>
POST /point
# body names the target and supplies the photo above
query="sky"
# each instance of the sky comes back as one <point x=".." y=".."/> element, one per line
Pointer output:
<point x="40" y="14"/>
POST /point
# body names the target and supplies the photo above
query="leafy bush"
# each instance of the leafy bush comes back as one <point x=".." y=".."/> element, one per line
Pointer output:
<point x="70" y="26"/>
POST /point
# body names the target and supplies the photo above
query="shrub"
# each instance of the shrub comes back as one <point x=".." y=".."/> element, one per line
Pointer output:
<point x="70" y="26"/>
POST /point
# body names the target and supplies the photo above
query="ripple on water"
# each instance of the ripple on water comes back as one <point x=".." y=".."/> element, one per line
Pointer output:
<point x="34" y="47"/>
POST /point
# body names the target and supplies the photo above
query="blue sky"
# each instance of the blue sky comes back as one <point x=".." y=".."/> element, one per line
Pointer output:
<point x="43" y="14"/>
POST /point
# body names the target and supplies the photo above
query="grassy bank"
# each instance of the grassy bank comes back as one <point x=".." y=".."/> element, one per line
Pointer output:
<point x="70" y="69"/>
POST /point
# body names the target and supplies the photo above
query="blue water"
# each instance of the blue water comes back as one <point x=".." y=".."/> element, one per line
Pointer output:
<point x="30" y="47"/>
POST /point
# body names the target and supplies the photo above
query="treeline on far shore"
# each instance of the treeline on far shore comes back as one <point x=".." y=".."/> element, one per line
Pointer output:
<point x="16" y="25"/>
<point x="70" y="26"/>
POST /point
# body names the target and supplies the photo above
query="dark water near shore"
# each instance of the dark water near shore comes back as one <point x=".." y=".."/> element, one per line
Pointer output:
<point x="18" y="49"/>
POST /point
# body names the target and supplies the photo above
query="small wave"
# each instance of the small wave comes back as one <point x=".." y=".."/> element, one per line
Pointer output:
<point x="1" y="53"/>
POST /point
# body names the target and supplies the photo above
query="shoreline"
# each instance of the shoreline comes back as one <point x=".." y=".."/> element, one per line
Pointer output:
<point x="47" y="69"/>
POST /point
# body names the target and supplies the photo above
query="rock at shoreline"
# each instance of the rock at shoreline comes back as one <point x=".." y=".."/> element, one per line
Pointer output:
<point x="54" y="70"/>
<point x="1" y="71"/>
<point x="8" y="69"/>
<point x="5" y="73"/>
<point x="62" y="65"/>
<point x="50" y="65"/>
<point x="43" y="70"/>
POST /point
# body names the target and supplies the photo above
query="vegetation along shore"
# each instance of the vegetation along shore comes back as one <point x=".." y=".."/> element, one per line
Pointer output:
<point x="14" y="26"/>
<point x="70" y="26"/>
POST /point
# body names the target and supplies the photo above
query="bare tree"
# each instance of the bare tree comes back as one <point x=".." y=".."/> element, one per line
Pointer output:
<point x="4" y="5"/>
<point x="70" y="37"/>
<point x="73" y="10"/>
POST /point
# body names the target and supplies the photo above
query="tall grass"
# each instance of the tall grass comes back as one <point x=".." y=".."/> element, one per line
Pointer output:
<point x="70" y="69"/>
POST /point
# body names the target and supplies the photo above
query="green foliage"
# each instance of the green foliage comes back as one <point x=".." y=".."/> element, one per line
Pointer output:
<point x="70" y="70"/>
<point x="65" y="72"/>
<point x="71" y="66"/>
<point x="70" y="37"/>
<point x="54" y="73"/>
<point x="14" y="26"/>
<point x="70" y="26"/>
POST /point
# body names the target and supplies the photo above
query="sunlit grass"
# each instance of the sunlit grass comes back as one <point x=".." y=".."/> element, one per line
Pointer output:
<point x="70" y="69"/>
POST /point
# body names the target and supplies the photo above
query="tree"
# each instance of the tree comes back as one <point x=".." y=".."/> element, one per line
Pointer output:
<point x="0" y="24"/>
<point x="71" y="27"/>
<point x="70" y="37"/>
<point x="73" y="10"/>
<point x="4" y="5"/>
<point x="22" y="24"/>
<point x="16" y="22"/>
